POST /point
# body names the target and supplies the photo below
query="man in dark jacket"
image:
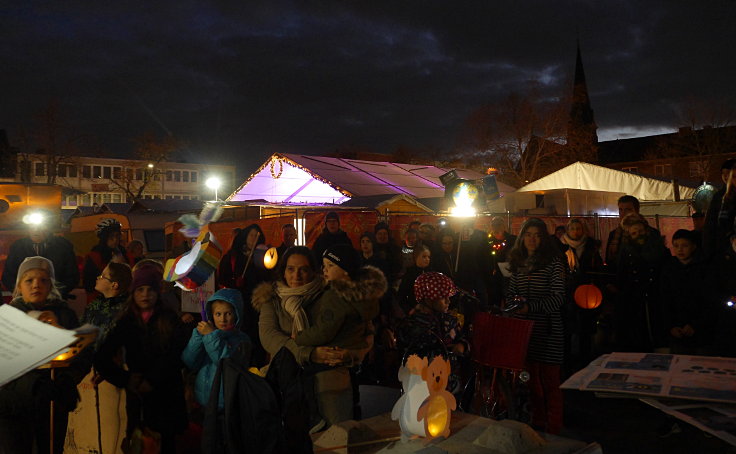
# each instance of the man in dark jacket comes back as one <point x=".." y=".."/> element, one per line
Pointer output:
<point x="721" y="213"/>
<point x="288" y="236"/>
<point x="41" y="243"/>
<point x="331" y="235"/>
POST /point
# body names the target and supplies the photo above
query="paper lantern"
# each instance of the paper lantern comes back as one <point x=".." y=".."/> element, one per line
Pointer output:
<point x="192" y="269"/>
<point x="588" y="296"/>
<point x="265" y="257"/>
<point x="425" y="407"/>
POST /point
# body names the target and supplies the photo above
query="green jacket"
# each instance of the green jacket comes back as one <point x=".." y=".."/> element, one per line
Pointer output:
<point x="345" y="311"/>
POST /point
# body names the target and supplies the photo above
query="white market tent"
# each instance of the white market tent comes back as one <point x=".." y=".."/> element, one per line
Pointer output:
<point x="295" y="178"/>
<point x="583" y="188"/>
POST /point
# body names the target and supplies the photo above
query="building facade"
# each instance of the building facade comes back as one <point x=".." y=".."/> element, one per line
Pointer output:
<point x="94" y="180"/>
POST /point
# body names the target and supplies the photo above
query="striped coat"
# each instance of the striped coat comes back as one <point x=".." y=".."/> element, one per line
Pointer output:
<point x="544" y="290"/>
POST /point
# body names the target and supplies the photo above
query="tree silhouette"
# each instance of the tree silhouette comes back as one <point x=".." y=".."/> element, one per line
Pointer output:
<point x="521" y="135"/>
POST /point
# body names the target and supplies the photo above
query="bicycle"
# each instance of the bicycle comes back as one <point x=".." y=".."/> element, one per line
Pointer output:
<point x="499" y="350"/>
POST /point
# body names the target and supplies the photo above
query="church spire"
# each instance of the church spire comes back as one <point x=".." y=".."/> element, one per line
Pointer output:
<point x="582" y="139"/>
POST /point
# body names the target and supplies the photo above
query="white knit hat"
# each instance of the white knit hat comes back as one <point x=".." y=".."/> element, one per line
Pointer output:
<point x="33" y="263"/>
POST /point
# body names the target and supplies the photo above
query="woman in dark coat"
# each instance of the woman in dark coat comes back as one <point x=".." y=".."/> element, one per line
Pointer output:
<point x="583" y="257"/>
<point x="237" y="270"/>
<point x="153" y="339"/>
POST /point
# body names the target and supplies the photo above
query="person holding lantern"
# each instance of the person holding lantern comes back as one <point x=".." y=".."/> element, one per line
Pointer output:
<point x="538" y="281"/>
<point x="238" y="269"/>
<point x="583" y="257"/>
<point x="25" y="401"/>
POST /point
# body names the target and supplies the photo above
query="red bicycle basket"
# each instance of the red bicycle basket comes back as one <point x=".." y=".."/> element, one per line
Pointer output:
<point x="500" y="341"/>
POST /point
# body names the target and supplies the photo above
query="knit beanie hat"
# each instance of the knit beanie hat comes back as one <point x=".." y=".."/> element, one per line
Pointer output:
<point x="35" y="263"/>
<point x="332" y="216"/>
<point x="149" y="275"/>
<point x="381" y="226"/>
<point x="344" y="256"/>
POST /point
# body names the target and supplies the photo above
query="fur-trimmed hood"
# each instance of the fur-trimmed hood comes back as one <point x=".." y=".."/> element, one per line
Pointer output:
<point x="370" y="285"/>
<point x="363" y="293"/>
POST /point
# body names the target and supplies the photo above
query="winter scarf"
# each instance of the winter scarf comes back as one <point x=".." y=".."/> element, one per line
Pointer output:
<point x="292" y="299"/>
<point x="575" y="251"/>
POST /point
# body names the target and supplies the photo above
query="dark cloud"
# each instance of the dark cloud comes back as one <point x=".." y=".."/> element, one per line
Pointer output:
<point x="240" y="80"/>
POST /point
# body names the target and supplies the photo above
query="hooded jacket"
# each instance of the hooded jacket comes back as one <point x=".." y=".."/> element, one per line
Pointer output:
<point x="55" y="248"/>
<point x="203" y="353"/>
<point x="345" y="311"/>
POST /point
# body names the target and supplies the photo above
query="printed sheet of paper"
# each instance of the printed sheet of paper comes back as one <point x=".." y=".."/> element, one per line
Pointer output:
<point x="716" y="419"/>
<point x="26" y="343"/>
<point x="661" y="375"/>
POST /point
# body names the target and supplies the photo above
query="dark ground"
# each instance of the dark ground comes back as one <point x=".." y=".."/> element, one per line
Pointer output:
<point x="631" y="426"/>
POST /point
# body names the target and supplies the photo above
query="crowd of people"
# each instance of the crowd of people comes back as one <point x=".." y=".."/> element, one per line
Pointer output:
<point x="342" y="313"/>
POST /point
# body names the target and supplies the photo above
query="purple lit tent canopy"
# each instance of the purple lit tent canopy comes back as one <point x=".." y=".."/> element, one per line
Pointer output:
<point x="302" y="179"/>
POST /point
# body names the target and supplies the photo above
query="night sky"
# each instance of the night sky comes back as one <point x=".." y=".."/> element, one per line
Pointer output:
<point x="239" y="80"/>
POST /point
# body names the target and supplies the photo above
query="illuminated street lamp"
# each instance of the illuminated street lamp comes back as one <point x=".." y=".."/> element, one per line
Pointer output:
<point x="35" y="218"/>
<point x="213" y="183"/>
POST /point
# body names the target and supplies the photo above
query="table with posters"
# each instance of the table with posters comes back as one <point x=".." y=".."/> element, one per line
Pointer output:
<point x="699" y="390"/>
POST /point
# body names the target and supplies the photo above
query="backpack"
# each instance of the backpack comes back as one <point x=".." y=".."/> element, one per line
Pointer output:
<point x="251" y="419"/>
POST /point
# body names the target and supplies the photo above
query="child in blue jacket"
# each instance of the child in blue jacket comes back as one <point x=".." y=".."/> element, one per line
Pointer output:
<point x="214" y="339"/>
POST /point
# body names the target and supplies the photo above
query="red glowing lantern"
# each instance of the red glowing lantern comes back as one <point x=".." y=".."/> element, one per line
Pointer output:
<point x="588" y="296"/>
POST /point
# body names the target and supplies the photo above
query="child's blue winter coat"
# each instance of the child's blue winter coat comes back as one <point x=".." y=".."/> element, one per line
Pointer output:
<point x="203" y="353"/>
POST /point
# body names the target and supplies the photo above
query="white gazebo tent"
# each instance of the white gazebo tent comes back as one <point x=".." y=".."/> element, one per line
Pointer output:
<point x="582" y="189"/>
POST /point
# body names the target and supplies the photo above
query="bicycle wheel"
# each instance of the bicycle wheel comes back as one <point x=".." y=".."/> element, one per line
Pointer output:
<point x="494" y="397"/>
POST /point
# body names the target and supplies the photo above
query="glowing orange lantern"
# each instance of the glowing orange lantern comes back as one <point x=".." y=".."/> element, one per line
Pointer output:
<point x="588" y="296"/>
<point x="265" y="256"/>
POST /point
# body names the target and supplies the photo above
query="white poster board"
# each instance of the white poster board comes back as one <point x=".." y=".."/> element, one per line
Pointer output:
<point x="81" y="433"/>
<point x="190" y="301"/>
